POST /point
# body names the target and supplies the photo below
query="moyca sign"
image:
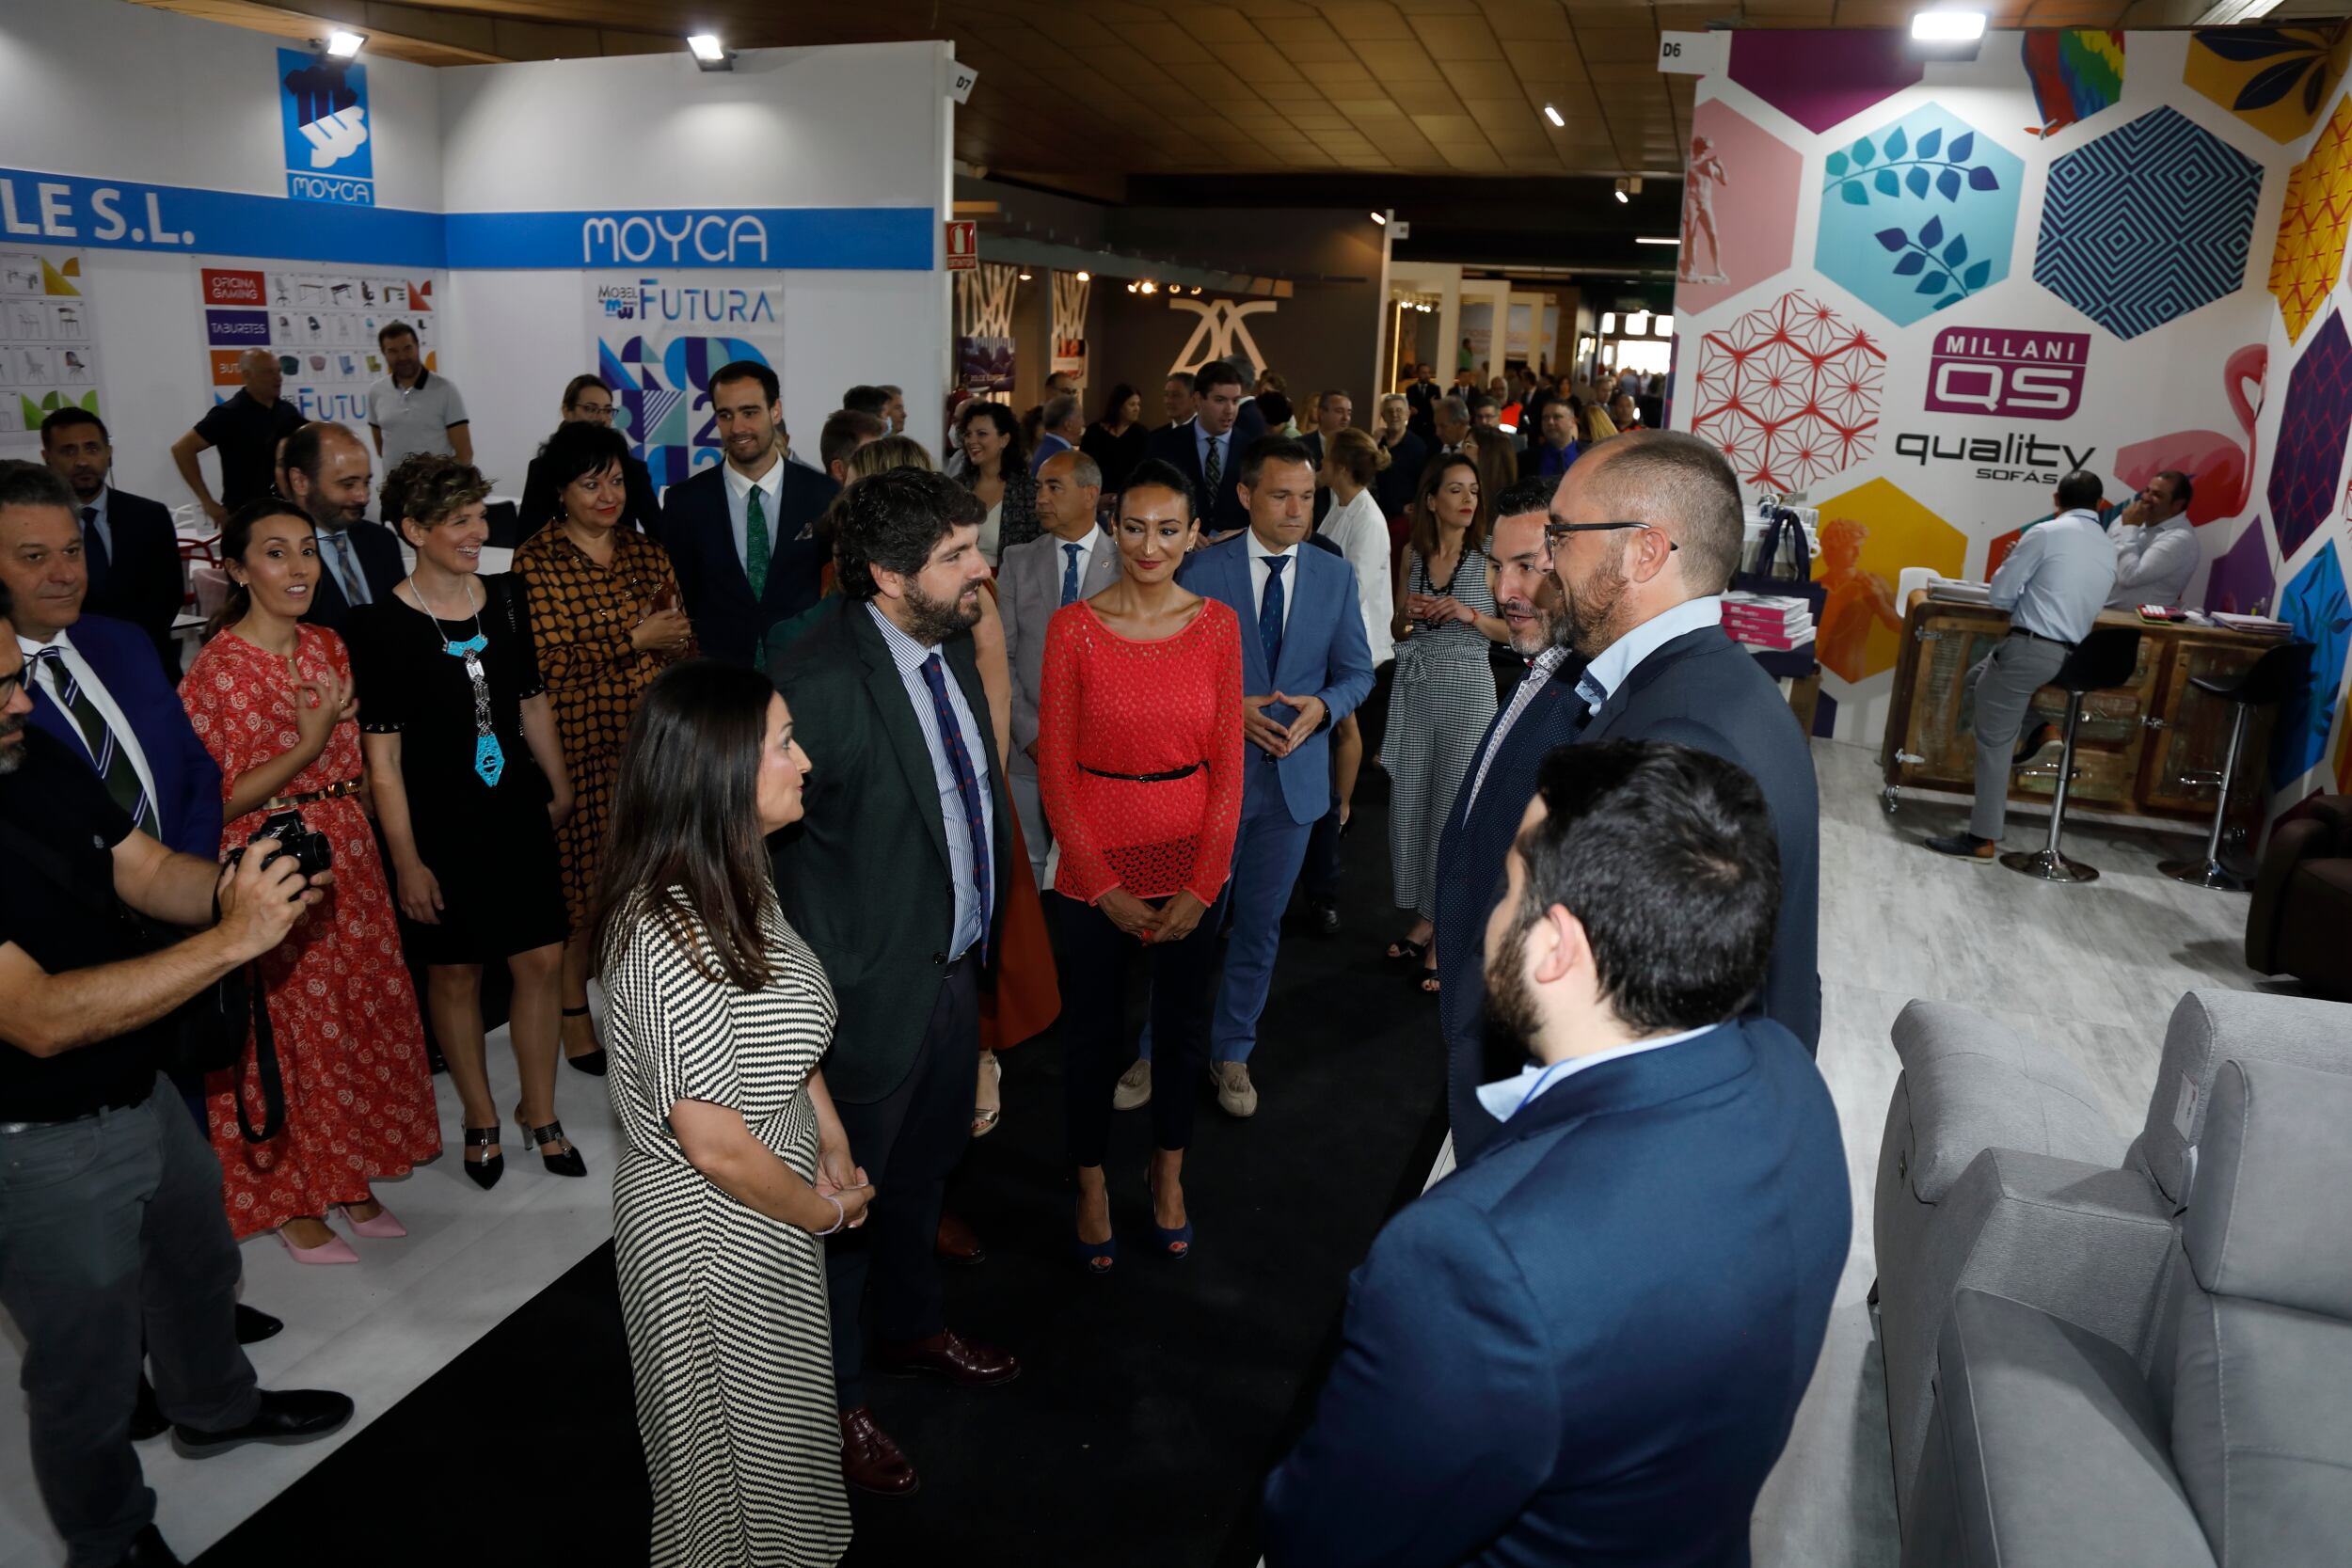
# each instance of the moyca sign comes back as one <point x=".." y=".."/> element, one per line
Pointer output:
<point x="715" y="239"/>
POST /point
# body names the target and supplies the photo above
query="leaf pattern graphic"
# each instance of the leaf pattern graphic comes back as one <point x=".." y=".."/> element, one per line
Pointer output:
<point x="1929" y="141"/>
<point x="1897" y="144"/>
<point x="1947" y="184"/>
<point x="1956" y="252"/>
<point x="1916" y="182"/>
<point x="1962" y="146"/>
<point x="2270" y="84"/>
<point x="1931" y="233"/>
<point x="1975" y="276"/>
<point x="1910" y="263"/>
<point x="1837" y="165"/>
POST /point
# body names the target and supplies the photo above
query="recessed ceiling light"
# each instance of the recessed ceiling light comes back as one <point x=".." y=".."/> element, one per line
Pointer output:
<point x="1086" y="278"/>
<point x="1553" y="115"/>
<point x="1656" y="238"/>
<point x="342" y="44"/>
<point x="1025" y="277"/>
<point x="1948" y="26"/>
<point x="1380" y="218"/>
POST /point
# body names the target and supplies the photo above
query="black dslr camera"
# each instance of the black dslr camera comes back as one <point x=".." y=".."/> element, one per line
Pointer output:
<point x="285" y="835"/>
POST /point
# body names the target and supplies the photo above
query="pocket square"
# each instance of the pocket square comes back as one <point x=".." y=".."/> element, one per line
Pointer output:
<point x="808" y="532"/>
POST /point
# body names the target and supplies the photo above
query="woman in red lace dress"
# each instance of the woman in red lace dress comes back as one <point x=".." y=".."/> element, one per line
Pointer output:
<point x="271" y="699"/>
<point x="1140" y="760"/>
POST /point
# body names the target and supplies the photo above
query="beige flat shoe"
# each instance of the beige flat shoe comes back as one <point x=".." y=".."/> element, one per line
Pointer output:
<point x="985" y="1115"/>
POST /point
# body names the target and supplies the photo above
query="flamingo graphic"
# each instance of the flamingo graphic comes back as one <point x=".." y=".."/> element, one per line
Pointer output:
<point x="2221" y="467"/>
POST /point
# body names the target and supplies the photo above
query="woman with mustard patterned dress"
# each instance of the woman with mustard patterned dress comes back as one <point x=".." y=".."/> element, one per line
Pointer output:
<point x="604" y="612"/>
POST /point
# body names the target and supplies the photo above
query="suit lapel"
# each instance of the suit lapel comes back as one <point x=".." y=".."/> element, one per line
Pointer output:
<point x="1101" y="566"/>
<point x="893" y="706"/>
<point x="1660" y="659"/>
<point x="1240" y="580"/>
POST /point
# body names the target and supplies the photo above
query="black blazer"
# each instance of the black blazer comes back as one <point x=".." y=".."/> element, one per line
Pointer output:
<point x="144" y="582"/>
<point x="864" y="875"/>
<point x="701" y="541"/>
<point x="1178" y="446"/>
<point x="1395" y="483"/>
<point x="380" y="563"/>
<point x="1470" y="883"/>
<point x="639" y="509"/>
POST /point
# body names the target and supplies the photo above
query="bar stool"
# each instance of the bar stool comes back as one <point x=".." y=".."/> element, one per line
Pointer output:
<point x="2268" y="679"/>
<point x="2107" y="657"/>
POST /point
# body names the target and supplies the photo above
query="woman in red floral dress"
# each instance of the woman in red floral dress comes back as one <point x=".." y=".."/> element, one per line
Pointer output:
<point x="271" y="699"/>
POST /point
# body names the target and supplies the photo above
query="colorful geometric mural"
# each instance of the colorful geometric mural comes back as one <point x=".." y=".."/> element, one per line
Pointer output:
<point x="2273" y="78"/>
<point x="2242" y="577"/>
<point x="2309" y="255"/>
<point x="1738" y="206"/>
<point x="1818" y="79"/>
<point x="2074" y="72"/>
<point x="2221" y="466"/>
<point x="2316" y="605"/>
<point x="1919" y="215"/>
<point x="1868" y="536"/>
<point x="2309" y="468"/>
<point x="2112" y="243"/>
<point x="1790" y="392"/>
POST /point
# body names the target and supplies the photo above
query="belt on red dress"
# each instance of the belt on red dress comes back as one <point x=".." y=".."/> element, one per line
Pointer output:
<point x="332" y="792"/>
<point x="1172" y="775"/>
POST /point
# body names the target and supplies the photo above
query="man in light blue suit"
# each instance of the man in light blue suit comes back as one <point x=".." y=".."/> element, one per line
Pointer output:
<point x="1305" y="666"/>
<point x="1588" y="1344"/>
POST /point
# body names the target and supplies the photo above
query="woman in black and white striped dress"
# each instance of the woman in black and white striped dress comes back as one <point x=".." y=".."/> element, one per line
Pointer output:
<point x="1444" y="695"/>
<point x="735" y="1161"/>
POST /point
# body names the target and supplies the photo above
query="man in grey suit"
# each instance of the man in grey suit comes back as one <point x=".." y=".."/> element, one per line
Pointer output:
<point x="1073" y="560"/>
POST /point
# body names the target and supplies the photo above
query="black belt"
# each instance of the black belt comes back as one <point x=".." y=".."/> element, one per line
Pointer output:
<point x="1168" y="777"/>
<point x="2055" y="643"/>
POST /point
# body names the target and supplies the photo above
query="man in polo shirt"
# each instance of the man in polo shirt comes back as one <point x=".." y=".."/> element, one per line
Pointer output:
<point x="246" y="429"/>
<point x="411" y="409"/>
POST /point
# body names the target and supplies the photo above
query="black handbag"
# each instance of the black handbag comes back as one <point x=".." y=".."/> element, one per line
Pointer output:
<point x="1784" y="568"/>
<point x="208" y="1029"/>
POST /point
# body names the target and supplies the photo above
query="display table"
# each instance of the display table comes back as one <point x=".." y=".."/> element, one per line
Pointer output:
<point x="2135" y="743"/>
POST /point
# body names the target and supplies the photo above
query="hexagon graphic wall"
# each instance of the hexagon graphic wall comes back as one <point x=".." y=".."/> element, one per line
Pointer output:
<point x="2305" y="474"/>
<point x="2315" y="605"/>
<point x="1738" y="208"/>
<point x="2112" y="245"/>
<point x="1918" y="215"/>
<point x="2309" y="252"/>
<point x="1868" y="536"/>
<point x="1790" y="392"/>
<point x="2273" y="78"/>
<point x="2242" y="577"/>
<point x="2074" y="72"/>
<point x="1819" y="78"/>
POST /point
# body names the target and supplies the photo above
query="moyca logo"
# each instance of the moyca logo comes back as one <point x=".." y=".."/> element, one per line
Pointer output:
<point x="322" y="113"/>
<point x="2010" y="374"/>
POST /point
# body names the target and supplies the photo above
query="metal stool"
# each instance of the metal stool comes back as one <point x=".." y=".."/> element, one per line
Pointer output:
<point x="2107" y="657"/>
<point x="2269" y="678"/>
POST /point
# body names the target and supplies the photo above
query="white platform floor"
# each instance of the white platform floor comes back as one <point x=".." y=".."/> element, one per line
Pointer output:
<point x="2092" y="971"/>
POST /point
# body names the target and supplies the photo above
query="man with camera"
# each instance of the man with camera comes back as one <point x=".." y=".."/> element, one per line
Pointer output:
<point x="111" y="1224"/>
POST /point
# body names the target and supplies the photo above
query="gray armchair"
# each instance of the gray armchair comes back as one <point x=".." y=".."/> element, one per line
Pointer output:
<point x="2051" y="1448"/>
<point x="1999" y="1173"/>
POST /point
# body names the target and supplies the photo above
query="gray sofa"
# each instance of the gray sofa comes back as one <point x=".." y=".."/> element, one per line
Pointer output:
<point x="2232" y="1444"/>
<point x="2000" y="1172"/>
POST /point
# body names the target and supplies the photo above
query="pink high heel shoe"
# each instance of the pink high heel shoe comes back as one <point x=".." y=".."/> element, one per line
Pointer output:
<point x="384" y="1228"/>
<point x="335" y="1251"/>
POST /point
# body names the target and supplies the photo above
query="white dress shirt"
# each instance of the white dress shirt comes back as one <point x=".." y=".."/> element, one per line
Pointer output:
<point x="95" y="689"/>
<point x="1094" y="537"/>
<point x="1362" y="535"/>
<point x="1620" y="658"/>
<point x="2153" y="563"/>
<point x="738" y="508"/>
<point x="909" y="657"/>
<point x="2058" y="578"/>
<point x="1260" y="573"/>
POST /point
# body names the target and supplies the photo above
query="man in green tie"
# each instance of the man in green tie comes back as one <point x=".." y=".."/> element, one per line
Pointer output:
<point x="741" y="534"/>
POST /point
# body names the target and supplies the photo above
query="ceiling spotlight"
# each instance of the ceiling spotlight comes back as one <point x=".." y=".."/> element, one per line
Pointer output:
<point x="709" y="52"/>
<point x="1150" y="287"/>
<point x="1948" y="26"/>
<point x="1134" y="288"/>
<point x="1025" y="277"/>
<point x="341" y="45"/>
<point x="1086" y="278"/>
<point x="1380" y="218"/>
<point x="1656" y="238"/>
<point x="1621" y="193"/>
<point x="1553" y="115"/>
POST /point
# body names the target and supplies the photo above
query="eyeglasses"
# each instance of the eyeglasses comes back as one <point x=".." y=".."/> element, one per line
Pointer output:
<point x="1555" y="531"/>
<point x="12" y="685"/>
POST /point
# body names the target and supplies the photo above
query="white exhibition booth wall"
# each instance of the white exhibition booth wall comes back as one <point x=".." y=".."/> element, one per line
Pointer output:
<point x="791" y="206"/>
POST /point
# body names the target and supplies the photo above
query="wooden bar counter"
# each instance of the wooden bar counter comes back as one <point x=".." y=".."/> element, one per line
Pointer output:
<point x="2135" y="743"/>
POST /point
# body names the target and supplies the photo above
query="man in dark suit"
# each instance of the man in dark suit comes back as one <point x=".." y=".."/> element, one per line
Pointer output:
<point x="586" y="397"/>
<point x="742" y="534"/>
<point x="894" y="876"/>
<point x="1179" y="403"/>
<point x="1422" y="395"/>
<point x="1208" y="450"/>
<point x="1589" y="1344"/>
<point x="128" y="547"/>
<point x="1554" y="449"/>
<point x="1541" y="713"/>
<point x="330" y="473"/>
<point x="1647" y="531"/>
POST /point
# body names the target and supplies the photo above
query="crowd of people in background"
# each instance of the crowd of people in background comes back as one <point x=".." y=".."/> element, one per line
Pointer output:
<point x="784" y="761"/>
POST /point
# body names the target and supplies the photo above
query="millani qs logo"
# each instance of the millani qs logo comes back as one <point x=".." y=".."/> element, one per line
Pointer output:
<point x="2007" y="374"/>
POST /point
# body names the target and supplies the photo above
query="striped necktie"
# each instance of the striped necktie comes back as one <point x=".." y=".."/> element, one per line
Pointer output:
<point x="113" y="763"/>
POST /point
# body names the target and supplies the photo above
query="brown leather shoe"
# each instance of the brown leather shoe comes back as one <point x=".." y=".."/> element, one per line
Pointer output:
<point x="958" y="1242"/>
<point x="869" y="1460"/>
<point x="951" y="1356"/>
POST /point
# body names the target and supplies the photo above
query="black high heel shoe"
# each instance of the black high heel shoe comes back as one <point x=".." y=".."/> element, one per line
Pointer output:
<point x="567" y="1163"/>
<point x="590" y="1062"/>
<point x="485" y="1173"/>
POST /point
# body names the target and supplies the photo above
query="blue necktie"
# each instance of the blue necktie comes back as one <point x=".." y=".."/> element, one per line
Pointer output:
<point x="95" y="560"/>
<point x="1069" y="573"/>
<point x="1270" y="614"/>
<point x="967" y="785"/>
